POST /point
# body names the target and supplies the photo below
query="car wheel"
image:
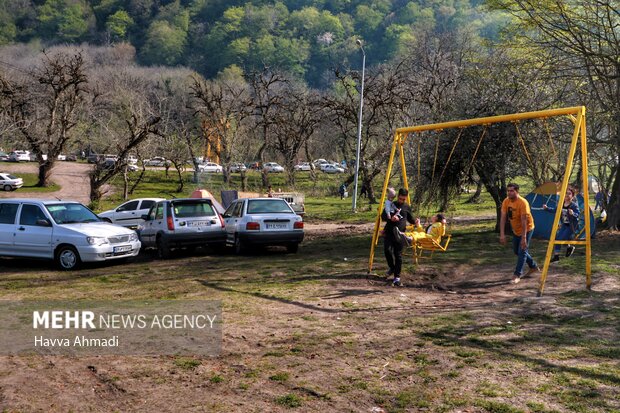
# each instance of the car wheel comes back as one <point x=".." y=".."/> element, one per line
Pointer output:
<point x="163" y="250"/>
<point x="292" y="248"/>
<point x="8" y="188"/>
<point x="239" y="246"/>
<point x="67" y="258"/>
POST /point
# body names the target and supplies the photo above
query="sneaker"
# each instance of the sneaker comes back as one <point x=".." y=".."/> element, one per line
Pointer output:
<point x="555" y="258"/>
<point x="389" y="272"/>
<point x="396" y="282"/>
<point x="532" y="271"/>
<point x="569" y="250"/>
<point x="516" y="280"/>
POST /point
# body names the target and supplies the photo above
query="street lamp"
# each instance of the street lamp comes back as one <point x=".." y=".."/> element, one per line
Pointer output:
<point x="359" y="126"/>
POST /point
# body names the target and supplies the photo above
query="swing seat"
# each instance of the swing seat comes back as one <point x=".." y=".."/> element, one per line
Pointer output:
<point x="429" y="246"/>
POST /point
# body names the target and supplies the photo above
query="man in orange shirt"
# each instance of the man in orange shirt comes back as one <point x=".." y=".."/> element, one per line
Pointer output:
<point x="517" y="210"/>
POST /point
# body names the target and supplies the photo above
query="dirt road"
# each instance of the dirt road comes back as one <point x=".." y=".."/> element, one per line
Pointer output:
<point x="72" y="177"/>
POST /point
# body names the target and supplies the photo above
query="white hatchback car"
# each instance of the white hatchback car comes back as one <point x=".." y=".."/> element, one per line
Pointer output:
<point x="19" y="156"/>
<point x="273" y="167"/>
<point x="262" y="221"/>
<point x="66" y="232"/>
<point x="10" y="182"/>
<point x="332" y="169"/>
<point x="210" y="167"/>
<point x="130" y="213"/>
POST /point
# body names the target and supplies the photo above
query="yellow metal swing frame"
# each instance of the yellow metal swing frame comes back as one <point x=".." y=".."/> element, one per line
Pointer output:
<point x="577" y="115"/>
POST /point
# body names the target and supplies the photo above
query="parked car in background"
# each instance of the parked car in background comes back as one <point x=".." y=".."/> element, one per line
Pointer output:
<point x="262" y="221"/>
<point x="237" y="167"/>
<point x="210" y="167"/>
<point x="319" y="162"/>
<point x="19" y="156"/>
<point x="61" y="157"/>
<point x="94" y="158"/>
<point x="33" y="157"/>
<point x="129" y="214"/>
<point x="332" y="169"/>
<point x="273" y="167"/>
<point x="66" y="232"/>
<point x="304" y="166"/>
<point x="295" y="199"/>
<point x="71" y="158"/>
<point x="4" y="156"/>
<point x="180" y="223"/>
<point x="132" y="160"/>
<point x="156" y="161"/>
<point x="10" y="182"/>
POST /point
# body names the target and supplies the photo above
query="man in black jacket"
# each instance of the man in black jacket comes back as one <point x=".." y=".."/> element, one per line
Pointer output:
<point x="394" y="241"/>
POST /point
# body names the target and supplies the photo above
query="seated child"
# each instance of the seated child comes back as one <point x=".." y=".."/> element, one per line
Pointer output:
<point x="435" y="231"/>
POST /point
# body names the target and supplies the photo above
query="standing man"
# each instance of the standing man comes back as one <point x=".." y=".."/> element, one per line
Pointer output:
<point x="517" y="209"/>
<point x="394" y="242"/>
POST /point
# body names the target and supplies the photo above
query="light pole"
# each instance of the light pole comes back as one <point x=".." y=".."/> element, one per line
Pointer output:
<point x="359" y="127"/>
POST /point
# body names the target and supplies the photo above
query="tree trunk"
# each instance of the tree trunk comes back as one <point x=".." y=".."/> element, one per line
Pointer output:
<point x="178" y="166"/>
<point x="244" y="181"/>
<point x="265" y="178"/>
<point x="613" y="209"/>
<point x="475" y="198"/>
<point x="45" y="171"/>
<point x="135" y="184"/>
<point x="225" y="175"/>
<point x="125" y="184"/>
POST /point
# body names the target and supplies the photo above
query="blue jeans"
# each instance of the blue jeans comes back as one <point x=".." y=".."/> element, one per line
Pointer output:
<point x="522" y="254"/>
<point x="565" y="233"/>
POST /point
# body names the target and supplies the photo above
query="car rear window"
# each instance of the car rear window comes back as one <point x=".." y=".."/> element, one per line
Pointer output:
<point x="268" y="206"/>
<point x="190" y="209"/>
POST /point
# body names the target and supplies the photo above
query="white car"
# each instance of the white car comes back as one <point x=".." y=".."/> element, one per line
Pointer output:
<point x="19" y="156"/>
<point x="61" y="157"/>
<point x="156" y="161"/>
<point x="132" y="160"/>
<point x="262" y="221"/>
<point x="273" y="167"/>
<point x="304" y="166"/>
<point x="237" y="167"/>
<point x="332" y="169"/>
<point x="210" y="167"/>
<point x="10" y="182"/>
<point x="66" y="232"/>
<point x="129" y="214"/>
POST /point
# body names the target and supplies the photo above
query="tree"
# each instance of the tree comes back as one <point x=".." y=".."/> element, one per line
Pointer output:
<point x="581" y="38"/>
<point x="164" y="44"/>
<point x="45" y="106"/>
<point x="118" y="24"/>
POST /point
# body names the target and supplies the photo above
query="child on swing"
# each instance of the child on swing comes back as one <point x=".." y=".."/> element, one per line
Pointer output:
<point x="569" y="223"/>
<point x="434" y="231"/>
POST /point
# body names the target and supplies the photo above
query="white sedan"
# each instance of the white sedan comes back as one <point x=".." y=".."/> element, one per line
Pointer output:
<point x="129" y="214"/>
<point x="332" y="169"/>
<point x="210" y="167"/>
<point x="304" y="166"/>
<point x="273" y="167"/>
<point x="10" y="182"/>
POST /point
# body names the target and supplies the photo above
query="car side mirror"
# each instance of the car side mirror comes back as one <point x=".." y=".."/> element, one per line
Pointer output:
<point x="43" y="223"/>
<point x="145" y="217"/>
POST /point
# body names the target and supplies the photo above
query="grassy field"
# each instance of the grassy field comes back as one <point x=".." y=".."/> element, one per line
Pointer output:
<point x="313" y="332"/>
<point x="30" y="182"/>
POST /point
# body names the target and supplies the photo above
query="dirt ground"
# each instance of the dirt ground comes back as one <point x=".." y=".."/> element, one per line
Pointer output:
<point x="314" y="332"/>
<point x="72" y="177"/>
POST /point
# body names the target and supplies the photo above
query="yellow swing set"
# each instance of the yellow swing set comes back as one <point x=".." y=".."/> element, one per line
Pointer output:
<point x="576" y="116"/>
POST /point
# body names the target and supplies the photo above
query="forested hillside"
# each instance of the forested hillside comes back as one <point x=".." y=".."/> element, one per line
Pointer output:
<point x="307" y="38"/>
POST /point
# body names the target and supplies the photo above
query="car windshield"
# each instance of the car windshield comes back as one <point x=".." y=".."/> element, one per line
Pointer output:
<point x="192" y="209"/>
<point x="11" y="176"/>
<point x="268" y="206"/>
<point x="71" y="214"/>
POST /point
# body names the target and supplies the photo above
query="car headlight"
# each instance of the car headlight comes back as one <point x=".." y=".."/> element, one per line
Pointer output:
<point x="97" y="240"/>
<point x="133" y="237"/>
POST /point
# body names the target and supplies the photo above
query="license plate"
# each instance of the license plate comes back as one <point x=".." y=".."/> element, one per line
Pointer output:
<point x="199" y="223"/>
<point x="122" y="248"/>
<point x="275" y="226"/>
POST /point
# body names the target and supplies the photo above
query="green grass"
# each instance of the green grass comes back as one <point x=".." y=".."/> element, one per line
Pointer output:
<point x="289" y="400"/>
<point x="186" y="363"/>
<point x="30" y="182"/>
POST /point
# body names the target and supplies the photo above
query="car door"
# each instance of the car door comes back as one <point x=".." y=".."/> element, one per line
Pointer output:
<point x="127" y="214"/>
<point x="33" y="239"/>
<point x="8" y="213"/>
<point x="231" y="220"/>
<point x="143" y="209"/>
<point x="156" y="217"/>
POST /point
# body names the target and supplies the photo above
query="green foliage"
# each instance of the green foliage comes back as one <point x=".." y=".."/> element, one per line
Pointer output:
<point x="304" y="37"/>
